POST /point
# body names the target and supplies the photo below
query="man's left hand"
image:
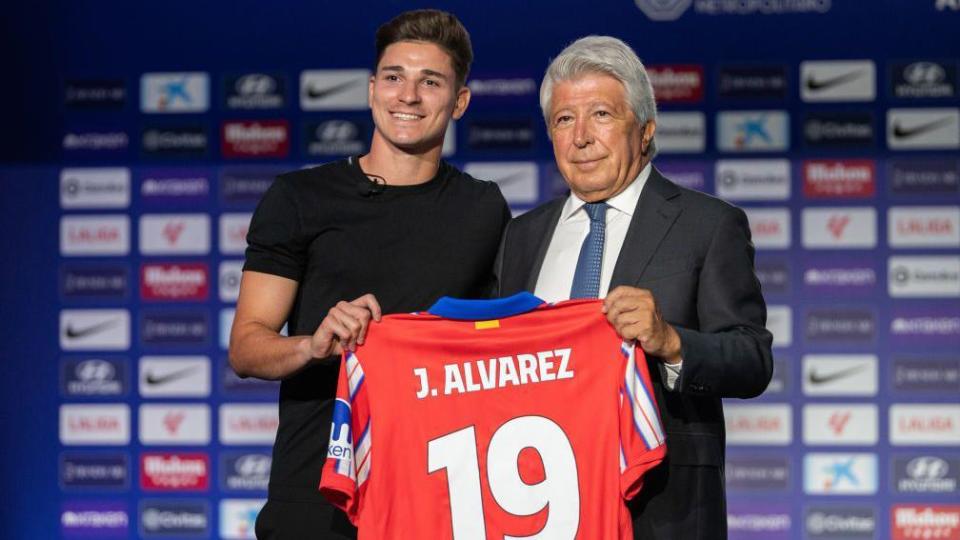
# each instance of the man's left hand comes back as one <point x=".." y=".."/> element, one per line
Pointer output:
<point x="634" y="314"/>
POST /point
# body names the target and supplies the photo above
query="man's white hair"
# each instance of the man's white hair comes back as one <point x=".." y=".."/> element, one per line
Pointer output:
<point x="610" y="56"/>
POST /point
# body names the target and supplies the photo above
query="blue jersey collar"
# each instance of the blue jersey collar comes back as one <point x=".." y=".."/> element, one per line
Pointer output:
<point x="479" y="310"/>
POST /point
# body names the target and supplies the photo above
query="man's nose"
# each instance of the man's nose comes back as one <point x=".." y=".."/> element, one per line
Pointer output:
<point x="410" y="92"/>
<point x="582" y="134"/>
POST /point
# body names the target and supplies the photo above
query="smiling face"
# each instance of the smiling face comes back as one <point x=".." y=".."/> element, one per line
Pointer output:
<point x="413" y="95"/>
<point x="597" y="142"/>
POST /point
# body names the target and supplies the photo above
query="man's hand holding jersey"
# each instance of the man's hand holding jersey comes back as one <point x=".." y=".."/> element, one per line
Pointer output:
<point x="635" y="315"/>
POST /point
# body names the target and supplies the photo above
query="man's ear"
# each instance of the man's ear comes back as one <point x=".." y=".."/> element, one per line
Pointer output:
<point x="463" y="99"/>
<point x="648" y="131"/>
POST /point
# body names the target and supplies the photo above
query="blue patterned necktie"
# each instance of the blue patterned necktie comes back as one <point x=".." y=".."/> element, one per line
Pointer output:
<point x="586" y="279"/>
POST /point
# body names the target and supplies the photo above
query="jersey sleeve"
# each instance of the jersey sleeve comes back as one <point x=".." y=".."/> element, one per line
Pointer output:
<point x="345" y="472"/>
<point x="642" y="442"/>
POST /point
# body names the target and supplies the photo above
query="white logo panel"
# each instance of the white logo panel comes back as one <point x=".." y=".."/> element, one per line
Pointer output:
<point x="924" y="277"/>
<point x="838" y="80"/>
<point x="99" y="424"/>
<point x="923" y="226"/>
<point x="175" y="424"/>
<point x="681" y="132"/>
<point x="229" y="280"/>
<point x="174" y="376"/>
<point x="238" y="518"/>
<point x="839" y="228"/>
<point x="780" y="324"/>
<point x="753" y="131"/>
<point x="753" y="179"/>
<point x="95" y="188"/>
<point x="769" y="227"/>
<point x="751" y="424"/>
<point x="249" y="424"/>
<point x="840" y="424"/>
<point x="923" y="129"/>
<point x="233" y="233"/>
<point x="840" y="375"/>
<point x="175" y="234"/>
<point x="94" y="235"/>
<point x="926" y="424"/>
<point x="94" y="329"/>
<point x="519" y="181"/>
<point x="334" y="89"/>
<point x="840" y="474"/>
<point x="174" y="92"/>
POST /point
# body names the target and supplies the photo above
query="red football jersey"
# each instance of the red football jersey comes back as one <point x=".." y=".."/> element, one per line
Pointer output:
<point x="537" y="425"/>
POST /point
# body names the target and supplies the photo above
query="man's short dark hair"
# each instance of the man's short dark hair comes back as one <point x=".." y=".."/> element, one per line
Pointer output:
<point x="432" y="26"/>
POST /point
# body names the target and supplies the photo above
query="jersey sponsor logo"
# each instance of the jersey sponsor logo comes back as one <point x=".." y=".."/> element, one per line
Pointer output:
<point x="840" y="474"/>
<point x="519" y="181"/>
<point x="911" y="521"/>
<point x="840" y="375"/>
<point x="102" y="94"/>
<point x="244" y="471"/>
<point x="923" y="79"/>
<point x="926" y="473"/>
<point x="238" y="517"/>
<point x="838" y="80"/>
<point x="255" y="139"/>
<point x="780" y="324"/>
<point x="847" y="130"/>
<point x="101" y="470"/>
<point x="180" y="327"/>
<point x="94" y="235"/>
<point x="681" y="132"/>
<point x="840" y="424"/>
<point x="751" y="424"/>
<point x="335" y="137"/>
<point x="102" y="281"/>
<point x="174" y="281"/>
<point x="248" y="423"/>
<point x="174" y="424"/>
<point x="678" y="83"/>
<point x="847" y="522"/>
<point x="923" y="226"/>
<point x="752" y="82"/>
<point x="95" y="424"/>
<point x="753" y="131"/>
<point x="924" y="176"/>
<point x="753" y="179"/>
<point x="924" y="277"/>
<point x="839" y="325"/>
<point x="174" y="234"/>
<point x="233" y="233"/>
<point x="502" y="134"/>
<point x="839" y="178"/>
<point x="769" y="227"/>
<point x="106" y="520"/>
<point x="174" y="472"/>
<point x="173" y="518"/>
<point x="174" y="376"/>
<point x="759" y="520"/>
<point x="173" y="186"/>
<point x="184" y="92"/>
<point x="926" y="374"/>
<point x="839" y="228"/>
<point x="334" y="90"/>
<point x="255" y="91"/>
<point x="923" y="129"/>
<point x="94" y="329"/>
<point x="228" y="278"/>
<point x="757" y="473"/>
<point x="927" y="424"/>
<point x="93" y="377"/>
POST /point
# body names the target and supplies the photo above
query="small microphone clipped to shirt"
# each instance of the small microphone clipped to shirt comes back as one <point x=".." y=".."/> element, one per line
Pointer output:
<point x="375" y="186"/>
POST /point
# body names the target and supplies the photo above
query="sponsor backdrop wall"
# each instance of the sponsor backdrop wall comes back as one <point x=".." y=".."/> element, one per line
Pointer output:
<point x="138" y="138"/>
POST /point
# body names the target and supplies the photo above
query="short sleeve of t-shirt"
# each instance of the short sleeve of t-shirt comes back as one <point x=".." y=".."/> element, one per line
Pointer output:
<point x="274" y="241"/>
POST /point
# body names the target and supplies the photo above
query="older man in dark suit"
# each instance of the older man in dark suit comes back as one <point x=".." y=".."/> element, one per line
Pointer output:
<point x="675" y="268"/>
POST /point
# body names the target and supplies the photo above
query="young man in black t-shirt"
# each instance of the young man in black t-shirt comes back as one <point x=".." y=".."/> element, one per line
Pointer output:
<point x="332" y="247"/>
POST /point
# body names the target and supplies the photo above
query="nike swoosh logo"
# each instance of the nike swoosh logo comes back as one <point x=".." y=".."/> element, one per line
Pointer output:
<point x="820" y="378"/>
<point x="77" y="333"/>
<point x="320" y="93"/>
<point x="822" y="84"/>
<point x="153" y="379"/>
<point x="901" y="132"/>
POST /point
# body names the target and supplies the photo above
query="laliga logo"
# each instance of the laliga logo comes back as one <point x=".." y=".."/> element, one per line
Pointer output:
<point x="341" y="447"/>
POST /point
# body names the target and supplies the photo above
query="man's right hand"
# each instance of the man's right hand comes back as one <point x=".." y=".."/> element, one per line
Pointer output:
<point x="344" y="327"/>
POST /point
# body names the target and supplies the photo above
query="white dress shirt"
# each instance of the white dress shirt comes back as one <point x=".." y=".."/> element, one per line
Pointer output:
<point x="560" y="261"/>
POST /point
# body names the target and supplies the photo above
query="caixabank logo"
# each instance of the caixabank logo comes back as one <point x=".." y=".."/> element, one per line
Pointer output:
<point x="840" y="473"/>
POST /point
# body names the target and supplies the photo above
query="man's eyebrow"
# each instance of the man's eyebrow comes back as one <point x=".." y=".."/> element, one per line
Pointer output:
<point x="426" y="71"/>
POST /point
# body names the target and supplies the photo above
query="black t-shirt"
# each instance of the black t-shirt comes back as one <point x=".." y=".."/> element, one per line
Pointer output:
<point x="408" y="245"/>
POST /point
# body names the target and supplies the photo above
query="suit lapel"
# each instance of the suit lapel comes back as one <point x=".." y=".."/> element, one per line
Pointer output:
<point x="651" y="221"/>
<point x="543" y="231"/>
